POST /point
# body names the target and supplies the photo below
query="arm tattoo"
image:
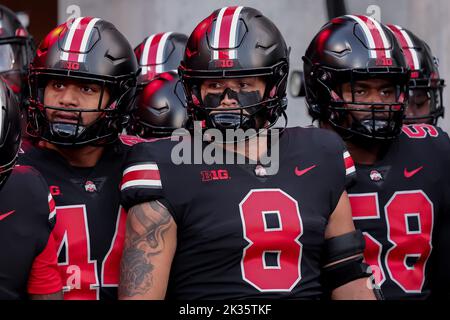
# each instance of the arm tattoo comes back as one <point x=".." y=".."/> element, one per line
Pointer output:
<point x="146" y="226"/>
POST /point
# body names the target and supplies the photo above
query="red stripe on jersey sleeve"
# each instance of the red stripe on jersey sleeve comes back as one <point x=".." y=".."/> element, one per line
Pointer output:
<point x="44" y="276"/>
<point x="348" y="161"/>
<point x="141" y="175"/>
<point x="51" y="203"/>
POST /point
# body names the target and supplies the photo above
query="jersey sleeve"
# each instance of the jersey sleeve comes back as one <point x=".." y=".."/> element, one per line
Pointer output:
<point x="344" y="166"/>
<point x="141" y="179"/>
<point x="339" y="168"/>
<point x="44" y="276"/>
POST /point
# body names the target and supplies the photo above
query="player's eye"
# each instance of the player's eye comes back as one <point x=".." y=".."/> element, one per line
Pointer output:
<point x="89" y="89"/>
<point x="57" y="85"/>
<point x="387" y="92"/>
<point x="244" y="85"/>
<point x="360" y="92"/>
<point x="214" y="85"/>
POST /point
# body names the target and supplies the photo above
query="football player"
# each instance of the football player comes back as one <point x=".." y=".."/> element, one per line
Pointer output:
<point x="83" y="82"/>
<point x="425" y="103"/>
<point x="229" y="231"/>
<point x="27" y="215"/>
<point x="161" y="104"/>
<point x="356" y="84"/>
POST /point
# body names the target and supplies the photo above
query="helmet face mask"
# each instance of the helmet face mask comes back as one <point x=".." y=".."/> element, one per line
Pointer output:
<point x="339" y="56"/>
<point x="241" y="51"/>
<point x="425" y="101"/>
<point x="226" y="108"/>
<point x="372" y="118"/>
<point x="97" y="67"/>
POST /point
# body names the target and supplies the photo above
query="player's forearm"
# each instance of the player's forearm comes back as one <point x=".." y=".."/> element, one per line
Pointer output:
<point x="150" y="244"/>
<point x="358" y="289"/>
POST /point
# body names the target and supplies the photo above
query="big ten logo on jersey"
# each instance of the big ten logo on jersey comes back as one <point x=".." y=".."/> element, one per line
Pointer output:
<point x="213" y="175"/>
<point x="420" y="131"/>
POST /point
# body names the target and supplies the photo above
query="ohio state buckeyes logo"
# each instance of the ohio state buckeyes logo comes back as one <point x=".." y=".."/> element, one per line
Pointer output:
<point x="375" y="176"/>
<point x="90" y="186"/>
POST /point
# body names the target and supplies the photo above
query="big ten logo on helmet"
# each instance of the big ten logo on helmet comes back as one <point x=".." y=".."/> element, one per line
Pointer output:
<point x="224" y="63"/>
<point x="383" y="62"/>
<point x="71" y="65"/>
<point x="374" y="11"/>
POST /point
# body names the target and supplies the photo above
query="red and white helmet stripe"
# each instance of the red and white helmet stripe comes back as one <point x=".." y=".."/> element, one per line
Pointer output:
<point x="153" y="53"/>
<point x="376" y="37"/>
<point x="407" y="46"/>
<point x="77" y="39"/>
<point x="226" y="33"/>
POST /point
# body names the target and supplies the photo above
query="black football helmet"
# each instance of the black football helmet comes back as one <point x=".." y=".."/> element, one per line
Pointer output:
<point x="236" y="42"/>
<point x="16" y="51"/>
<point x="425" y="86"/>
<point x="90" y="50"/>
<point x="347" y="49"/>
<point x="161" y="107"/>
<point x="158" y="53"/>
<point x="9" y="131"/>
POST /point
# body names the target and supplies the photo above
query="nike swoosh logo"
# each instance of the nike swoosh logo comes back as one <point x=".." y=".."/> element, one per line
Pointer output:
<point x="409" y="174"/>
<point x="3" y="216"/>
<point x="302" y="172"/>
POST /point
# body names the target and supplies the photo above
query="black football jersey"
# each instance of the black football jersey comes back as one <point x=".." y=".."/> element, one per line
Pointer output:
<point x="90" y="227"/>
<point x="26" y="222"/>
<point x="400" y="203"/>
<point x="243" y="231"/>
